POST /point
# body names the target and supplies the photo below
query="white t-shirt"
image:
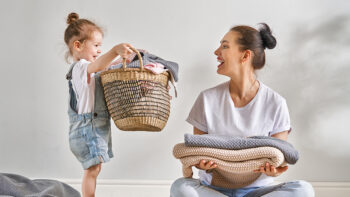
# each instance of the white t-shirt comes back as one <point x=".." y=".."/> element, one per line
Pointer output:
<point x="83" y="86"/>
<point x="214" y="112"/>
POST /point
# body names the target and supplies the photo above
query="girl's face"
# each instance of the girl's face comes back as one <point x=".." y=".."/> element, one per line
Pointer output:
<point x="90" y="48"/>
<point x="228" y="55"/>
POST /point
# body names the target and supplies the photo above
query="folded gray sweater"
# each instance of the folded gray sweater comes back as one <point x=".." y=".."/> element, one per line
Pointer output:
<point x="237" y="143"/>
<point x="18" y="186"/>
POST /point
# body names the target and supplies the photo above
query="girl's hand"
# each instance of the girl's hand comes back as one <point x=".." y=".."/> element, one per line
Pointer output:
<point x="270" y="170"/>
<point x="123" y="50"/>
<point x="206" y="165"/>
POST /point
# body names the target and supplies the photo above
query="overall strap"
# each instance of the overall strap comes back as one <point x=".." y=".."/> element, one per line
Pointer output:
<point x="100" y="105"/>
<point x="69" y="74"/>
<point x="72" y="97"/>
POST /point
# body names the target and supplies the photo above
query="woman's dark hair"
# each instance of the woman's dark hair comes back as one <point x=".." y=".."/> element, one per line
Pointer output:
<point x="256" y="41"/>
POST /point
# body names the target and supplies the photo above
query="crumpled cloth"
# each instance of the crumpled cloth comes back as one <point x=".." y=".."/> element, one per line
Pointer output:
<point x="20" y="186"/>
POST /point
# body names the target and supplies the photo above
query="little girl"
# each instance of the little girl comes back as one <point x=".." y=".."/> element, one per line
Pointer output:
<point x="90" y="129"/>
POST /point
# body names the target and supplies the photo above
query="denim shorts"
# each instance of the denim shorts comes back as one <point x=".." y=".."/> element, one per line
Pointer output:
<point x="90" y="139"/>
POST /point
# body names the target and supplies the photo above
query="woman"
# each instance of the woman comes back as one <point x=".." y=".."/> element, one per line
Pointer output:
<point x="242" y="107"/>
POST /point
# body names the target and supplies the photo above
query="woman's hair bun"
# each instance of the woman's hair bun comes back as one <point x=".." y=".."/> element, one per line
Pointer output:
<point x="72" y="17"/>
<point x="269" y="41"/>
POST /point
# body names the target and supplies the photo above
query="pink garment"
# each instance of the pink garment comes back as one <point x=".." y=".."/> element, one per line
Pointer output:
<point x="156" y="68"/>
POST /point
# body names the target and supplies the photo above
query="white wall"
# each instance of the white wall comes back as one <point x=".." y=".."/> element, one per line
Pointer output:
<point x="309" y="67"/>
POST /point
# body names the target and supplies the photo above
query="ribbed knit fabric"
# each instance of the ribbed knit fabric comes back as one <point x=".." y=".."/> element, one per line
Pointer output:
<point x="234" y="167"/>
<point x="236" y="143"/>
<point x="20" y="186"/>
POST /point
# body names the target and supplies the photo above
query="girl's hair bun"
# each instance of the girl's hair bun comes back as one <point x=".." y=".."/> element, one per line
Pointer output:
<point x="72" y="17"/>
<point x="269" y="41"/>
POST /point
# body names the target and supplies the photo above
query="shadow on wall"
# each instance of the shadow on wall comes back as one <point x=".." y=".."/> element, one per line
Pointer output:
<point x="316" y="83"/>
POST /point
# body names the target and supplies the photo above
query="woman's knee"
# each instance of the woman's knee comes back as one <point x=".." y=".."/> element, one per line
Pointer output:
<point x="183" y="187"/>
<point x="303" y="189"/>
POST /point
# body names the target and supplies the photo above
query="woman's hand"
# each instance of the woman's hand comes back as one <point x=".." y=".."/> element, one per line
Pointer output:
<point x="270" y="170"/>
<point x="123" y="50"/>
<point x="206" y="165"/>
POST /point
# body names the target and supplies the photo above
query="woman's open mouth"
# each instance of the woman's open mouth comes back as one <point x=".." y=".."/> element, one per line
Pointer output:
<point x="221" y="62"/>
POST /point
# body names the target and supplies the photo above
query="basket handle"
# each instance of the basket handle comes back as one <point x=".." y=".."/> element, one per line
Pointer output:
<point x="138" y="55"/>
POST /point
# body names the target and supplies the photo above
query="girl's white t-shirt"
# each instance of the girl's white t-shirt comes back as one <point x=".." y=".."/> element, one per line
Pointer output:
<point x="83" y="86"/>
<point x="214" y="112"/>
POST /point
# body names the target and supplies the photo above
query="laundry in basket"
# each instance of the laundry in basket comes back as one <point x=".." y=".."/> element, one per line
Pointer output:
<point x="137" y="99"/>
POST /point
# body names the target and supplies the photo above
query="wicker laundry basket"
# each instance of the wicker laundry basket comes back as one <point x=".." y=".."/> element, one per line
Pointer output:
<point x="137" y="99"/>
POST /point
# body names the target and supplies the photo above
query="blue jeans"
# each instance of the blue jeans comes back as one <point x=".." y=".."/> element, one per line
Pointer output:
<point x="188" y="187"/>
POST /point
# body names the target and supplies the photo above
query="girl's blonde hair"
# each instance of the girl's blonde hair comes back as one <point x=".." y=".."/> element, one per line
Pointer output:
<point x="78" y="30"/>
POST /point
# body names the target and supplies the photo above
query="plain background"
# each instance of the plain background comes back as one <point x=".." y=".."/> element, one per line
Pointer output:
<point x="309" y="67"/>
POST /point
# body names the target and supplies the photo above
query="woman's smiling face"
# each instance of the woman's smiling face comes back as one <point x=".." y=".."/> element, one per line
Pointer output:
<point x="228" y="54"/>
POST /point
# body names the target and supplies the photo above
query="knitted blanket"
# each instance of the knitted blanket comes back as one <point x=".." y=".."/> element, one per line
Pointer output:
<point x="236" y="143"/>
<point x="20" y="186"/>
<point x="234" y="167"/>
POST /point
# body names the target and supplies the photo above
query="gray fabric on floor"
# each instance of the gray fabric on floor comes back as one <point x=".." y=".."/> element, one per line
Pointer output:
<point x="20" y="186"/>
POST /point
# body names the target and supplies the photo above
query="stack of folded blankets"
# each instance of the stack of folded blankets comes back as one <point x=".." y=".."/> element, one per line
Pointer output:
<point x="236" y="157"/>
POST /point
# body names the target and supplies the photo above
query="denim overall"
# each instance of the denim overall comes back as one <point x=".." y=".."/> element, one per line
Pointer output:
<point x="89" y="133"/>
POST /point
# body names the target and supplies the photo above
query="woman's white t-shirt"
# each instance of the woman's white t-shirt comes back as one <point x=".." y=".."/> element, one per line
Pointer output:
<point x="83" y="86"/>
<point x="214" y="112"/>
